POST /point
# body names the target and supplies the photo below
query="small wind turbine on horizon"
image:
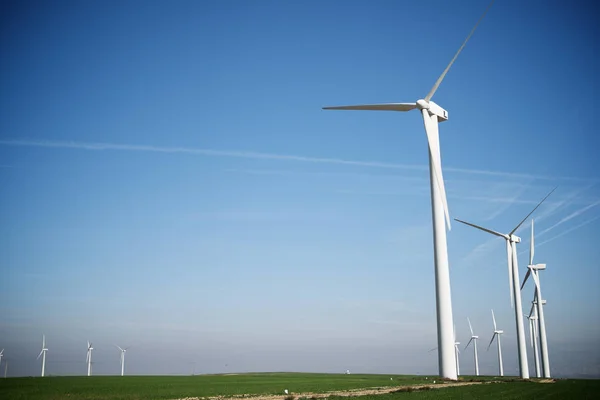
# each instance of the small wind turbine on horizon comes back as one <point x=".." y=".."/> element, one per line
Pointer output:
<point x="474" y="339"/>
<point x="496" y="335"/>
<point x="88" y="358"/>
<point x="513" y="277"/>
<point x="433" y="114"/>
<point x="43" y="354"/>
<point x="1" y="354"/>
<point x="123" y="359"/>
<point x="533" y="270"/>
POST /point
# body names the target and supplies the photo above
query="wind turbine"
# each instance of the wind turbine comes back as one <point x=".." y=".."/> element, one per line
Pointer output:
<point x="88" y="358"/>
<point x="1" y="353"/>
<point x="513" y="277"/>
<point x="123" y="359"/>
<point x="533" y="270"/>
<point x="533" y="338"/>
<point x="496" y="335"/>
<point x="456" y="352"/>
<point x="43" y="354"/>
<point x="474" y="339"/>
<point x="432" y="114"/>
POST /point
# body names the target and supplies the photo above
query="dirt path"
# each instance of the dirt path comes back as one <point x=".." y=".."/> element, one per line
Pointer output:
<point x="345" y="393"/>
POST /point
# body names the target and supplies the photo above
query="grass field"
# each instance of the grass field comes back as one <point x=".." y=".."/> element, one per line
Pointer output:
<point x="174" y="387"/>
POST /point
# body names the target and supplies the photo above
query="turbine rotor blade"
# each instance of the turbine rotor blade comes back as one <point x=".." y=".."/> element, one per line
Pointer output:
<point x="482" y="228"/>
<point x="536" y="280"/>
<point x="39" y="355"/>
<point x="510" y="272"/>
<point x="468" y="343"/>
<point x="536" y="207"/>
<point x="494" y="319"/>
<point x="441" y="78"/>
<point x="531" y="245"/>
<point x="493" y="336"/>
<point x="377" y="107"/>
<point x="470" y="327"/>
<point x="433" y="139"/>
<point x="526" y="277"/>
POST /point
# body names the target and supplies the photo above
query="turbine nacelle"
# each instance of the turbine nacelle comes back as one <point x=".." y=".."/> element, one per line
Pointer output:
<point x="515" y="239"/>
<point x="433" y="109"/>
<point x="537" y="267"/>
<point x="499" y="332"/>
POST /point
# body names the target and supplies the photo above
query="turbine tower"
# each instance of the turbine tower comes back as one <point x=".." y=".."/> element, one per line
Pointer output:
<point x="122" y="359"/>
<point x="496" y="336"/>
<point x="474" y="339"/>
<point x="513" y="277"/>
<point x="43" y="354"/>
<point x="533" y="270"/>
<point x="533" y="338"/>
<point x="1" y="353"/>
<point x="88" y="358"/>
<point x="432" y="115"/>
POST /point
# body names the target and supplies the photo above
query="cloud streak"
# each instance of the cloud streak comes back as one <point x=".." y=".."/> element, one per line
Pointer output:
<point x="98" y="146"/>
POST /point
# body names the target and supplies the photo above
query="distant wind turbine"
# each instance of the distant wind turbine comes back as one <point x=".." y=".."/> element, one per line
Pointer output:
<point x="1" y="354"/>
<point x="533" y="270"/>
<point x="432" y="115"/>
<point x="123" y="359"/>
<point x="474" y="339"/>
<point x="496" y="335"/>
<point x="43" y="354"/>
<point x="88" y="358"/>
<point x="513" y="277"/>
<point x="456" y="352"/>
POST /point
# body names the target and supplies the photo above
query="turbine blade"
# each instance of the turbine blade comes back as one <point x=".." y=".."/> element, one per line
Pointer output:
<point x="470" y="327"/>
<point x="531" y="245"/>
<point x="468" y="343"/>
<point x="441" y="78"/>
<point x="494" y="319"/>
<point x="377" y="107"/>
<point x="119" y="347"/>
<point x="510" y="272"/>
<point x="532" y="306"/>
<point x="526" y="277"/>
<point x="481" y="228"/>
<point x="43" y="341"/>
<point x="39" y="355"/>
<point x="536" y="207"/>
<point x="536" y="280"/>
<point x="433" y="139"/>
<point x="493" y="336"/>
<point x="531" y="333"/>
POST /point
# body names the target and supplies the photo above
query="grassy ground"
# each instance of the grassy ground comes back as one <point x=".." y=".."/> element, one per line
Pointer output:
<point x="172" y="387"/>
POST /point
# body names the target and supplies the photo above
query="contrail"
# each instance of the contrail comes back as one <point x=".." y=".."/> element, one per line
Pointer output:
<point x="98" y="146"/>
<point x="589" y="221"/>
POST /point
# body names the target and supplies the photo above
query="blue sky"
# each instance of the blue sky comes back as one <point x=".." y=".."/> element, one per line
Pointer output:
<point x="168" y="181"/>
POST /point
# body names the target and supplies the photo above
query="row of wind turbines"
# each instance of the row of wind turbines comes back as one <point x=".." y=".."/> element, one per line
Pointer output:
<point x="88" y="358"/>
<point x="433" y="114"/>
<point x="537" y="325"/>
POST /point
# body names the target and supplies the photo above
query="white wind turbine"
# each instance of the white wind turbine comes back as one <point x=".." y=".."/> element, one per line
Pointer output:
<point x="513" y="277"/>
<point x="88" y="358"/>
<point x="533" y="270"/>
<point x="474" y="339"/>
<point x="456" y="352"/>
<point x="432" y="114"/>
<point x="533" y="338"/>
<point x="123" y="359"/>
<point x="43" y="354"/>
<point x="496" y="335"/>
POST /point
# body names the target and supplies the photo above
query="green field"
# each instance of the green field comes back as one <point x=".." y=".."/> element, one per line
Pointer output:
<point x="173" y="387"/>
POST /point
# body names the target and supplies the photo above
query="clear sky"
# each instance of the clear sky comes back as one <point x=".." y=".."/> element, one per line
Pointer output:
<point x="169" y="182"/>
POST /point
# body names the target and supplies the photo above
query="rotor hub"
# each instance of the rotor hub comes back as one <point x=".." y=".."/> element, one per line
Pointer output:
<point x="422" y="104"/>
